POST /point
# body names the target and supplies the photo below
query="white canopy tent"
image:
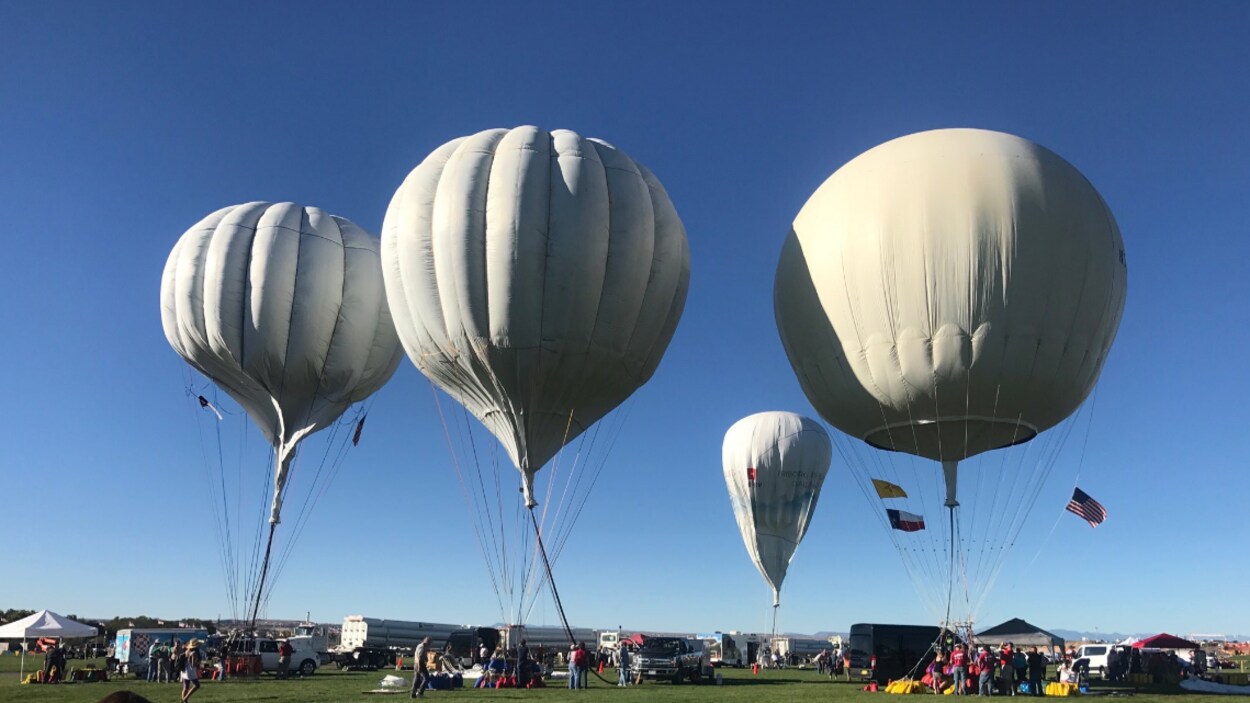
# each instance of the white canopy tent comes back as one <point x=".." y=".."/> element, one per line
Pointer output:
<point x="44" y="623"/>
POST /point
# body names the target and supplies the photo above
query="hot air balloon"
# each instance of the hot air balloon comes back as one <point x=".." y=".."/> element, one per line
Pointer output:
<point x="775" y="464"/>
<point x="950" y="293"/>
<point x="536" y="277"/>
<point x="283" y="307"/>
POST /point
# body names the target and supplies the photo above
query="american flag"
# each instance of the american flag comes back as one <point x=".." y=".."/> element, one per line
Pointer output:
<point x="1086" y="508"/>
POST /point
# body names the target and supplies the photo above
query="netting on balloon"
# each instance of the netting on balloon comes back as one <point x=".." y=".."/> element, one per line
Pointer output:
<point x="237" y="467"/>
<point x="959" y="556"/>
<point x="503" y="526"/>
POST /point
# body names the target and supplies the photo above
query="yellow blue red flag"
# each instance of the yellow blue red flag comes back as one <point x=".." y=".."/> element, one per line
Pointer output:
<point x="885" y="489"/>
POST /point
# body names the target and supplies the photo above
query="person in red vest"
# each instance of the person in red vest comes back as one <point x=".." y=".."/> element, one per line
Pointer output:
<point x="1007" y="669"/>
<point x="959" y="669"/>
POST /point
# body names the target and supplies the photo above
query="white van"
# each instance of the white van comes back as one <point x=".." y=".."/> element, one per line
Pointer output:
<point x="1097" y="656"/>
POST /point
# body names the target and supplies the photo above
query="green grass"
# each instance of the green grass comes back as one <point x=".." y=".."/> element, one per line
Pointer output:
<point x="331" y="686"/>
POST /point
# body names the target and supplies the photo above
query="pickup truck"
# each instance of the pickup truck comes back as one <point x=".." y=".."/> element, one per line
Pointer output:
<point x="673" y="659"/>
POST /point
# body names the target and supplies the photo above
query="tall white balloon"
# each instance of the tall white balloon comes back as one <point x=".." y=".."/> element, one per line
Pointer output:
<point x="775" y="464"/>
<point x="536" y="277"/>
<point x="283" y="307"/>
<point x="951" y="292"/>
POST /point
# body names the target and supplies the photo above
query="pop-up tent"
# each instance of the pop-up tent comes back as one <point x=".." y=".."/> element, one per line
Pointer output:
<point x="1022" y="634"/>
<point x="44" y="623"/>
<point x="1165" y="641"/>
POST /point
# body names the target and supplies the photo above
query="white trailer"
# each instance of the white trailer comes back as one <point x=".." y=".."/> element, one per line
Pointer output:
<point x="737" y="649"/>
<point x="548" y="637"/>
<point x="799" y="650"/>
<point x="132" y="645"/>
<point x="360" y="631"/>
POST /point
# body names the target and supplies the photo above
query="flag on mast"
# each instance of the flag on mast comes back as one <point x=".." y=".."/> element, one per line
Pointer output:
<point x="1086" y="508"/>
<point x="885" y="489"/>
<point x="905" y="521"/>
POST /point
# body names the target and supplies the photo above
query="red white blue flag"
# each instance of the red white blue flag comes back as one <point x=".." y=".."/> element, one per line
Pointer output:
<point x="1086" y="508"/>
<point x="905" y="521"/>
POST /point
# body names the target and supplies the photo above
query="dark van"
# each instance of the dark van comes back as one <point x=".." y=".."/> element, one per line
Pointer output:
<point x="883" y="653"/>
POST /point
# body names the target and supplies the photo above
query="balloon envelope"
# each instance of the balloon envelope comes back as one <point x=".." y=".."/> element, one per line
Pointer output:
<point x="775" y="464"/>
<point x="536" y="277"/>
<point x="283" y="307"/>
<point x="950" y="292"/>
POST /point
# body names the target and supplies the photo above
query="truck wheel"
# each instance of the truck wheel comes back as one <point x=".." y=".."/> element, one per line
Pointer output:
<point x="696" y="676"/>
<point x="307" y="667"/>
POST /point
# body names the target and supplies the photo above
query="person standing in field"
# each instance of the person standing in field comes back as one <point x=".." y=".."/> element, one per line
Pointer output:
<point x="522" y="664"/>
<point x="191" y="670"/>
<point x="985" y="669"/>
<point x="153" y="652"/>
<point x="575" y="669"/>
<point x="1037" y="672"/>
<point x="623" y="670"/>
<point x="583" y="665"/>
<point x="284" y="658"/>
<point x="420" y="673"/>
<point x="959" y="669"/>
<point x="1007" y="672"/>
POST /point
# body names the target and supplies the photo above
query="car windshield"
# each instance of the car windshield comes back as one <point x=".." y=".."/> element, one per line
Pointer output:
<point x="664" y="646"/>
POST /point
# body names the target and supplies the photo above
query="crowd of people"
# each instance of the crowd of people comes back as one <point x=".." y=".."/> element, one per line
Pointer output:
<point x="987" y="671"/>
<point x="175" y="661"/>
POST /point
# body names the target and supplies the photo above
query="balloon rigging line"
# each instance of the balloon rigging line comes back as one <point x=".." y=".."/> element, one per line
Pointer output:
<point x="1076" y="482"/>
<point x="482" y="508"/>
<point x="223" y="551"/>
<point x="859" y="474"/>
<point x="264" y="568"/>
<point x="318" y="488"/>
<point x="534" y="587"/>
<point x="613" y="436"/>
<point x="551" y="580"/>
<point x="455" y="462"/>
<point x="481" y="486"/>
<point x="581" y="498"/>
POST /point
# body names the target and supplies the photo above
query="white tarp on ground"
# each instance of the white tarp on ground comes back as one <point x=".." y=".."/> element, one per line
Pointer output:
<point x="45" y="623"/>
<point x="1202" y="686"/>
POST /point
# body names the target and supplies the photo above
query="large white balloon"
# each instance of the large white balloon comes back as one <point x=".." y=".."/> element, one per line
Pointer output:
<point x="775" y="464"/>
<point x="537" y="277"/>
<point x="951" y="292"/>
<point x="283" y="307"/>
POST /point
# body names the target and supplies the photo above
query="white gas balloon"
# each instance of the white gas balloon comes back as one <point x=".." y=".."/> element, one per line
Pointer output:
<point x="951" y="292"/>
<point x="283" y="307"/>
<point x="536" y="277"/>
<point x="775" y="464"/>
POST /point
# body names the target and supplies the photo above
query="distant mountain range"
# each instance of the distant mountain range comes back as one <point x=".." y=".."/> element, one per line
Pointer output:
<point x="1077" y="636"/>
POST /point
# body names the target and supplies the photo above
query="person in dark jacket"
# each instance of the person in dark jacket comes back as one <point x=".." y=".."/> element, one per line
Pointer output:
<point x="522" y="665"/>
<point x="49" y="662"/>
<point x="1037" y="672"/>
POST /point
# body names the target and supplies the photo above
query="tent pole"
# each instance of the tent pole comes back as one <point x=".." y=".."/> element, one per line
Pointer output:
<point x="22" y="667"/>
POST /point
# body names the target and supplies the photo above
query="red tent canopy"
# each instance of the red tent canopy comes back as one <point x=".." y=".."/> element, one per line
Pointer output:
<point x="1165" y="641"/>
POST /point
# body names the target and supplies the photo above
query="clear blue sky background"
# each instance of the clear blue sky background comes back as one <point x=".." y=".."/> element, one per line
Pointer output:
<point x="122" y="124"/>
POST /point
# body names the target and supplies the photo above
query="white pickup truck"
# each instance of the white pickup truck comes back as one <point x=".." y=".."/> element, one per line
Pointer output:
<point x="303" y="661"/>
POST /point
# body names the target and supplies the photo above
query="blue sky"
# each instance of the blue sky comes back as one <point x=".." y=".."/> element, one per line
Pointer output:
<point x="122" y="124"/>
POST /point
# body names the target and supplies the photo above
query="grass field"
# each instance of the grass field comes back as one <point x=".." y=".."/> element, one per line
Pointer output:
<point x="329" y="685"/>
